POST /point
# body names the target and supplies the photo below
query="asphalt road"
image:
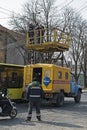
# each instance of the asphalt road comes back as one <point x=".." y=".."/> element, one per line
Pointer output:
<point x="69" y="117"/>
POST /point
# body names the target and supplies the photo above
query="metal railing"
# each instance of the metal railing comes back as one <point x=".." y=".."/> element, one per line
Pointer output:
<point x="45" y="36"/>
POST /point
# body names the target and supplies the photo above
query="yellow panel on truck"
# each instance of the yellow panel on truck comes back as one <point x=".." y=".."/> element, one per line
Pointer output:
<point x="47" y="77"/>
<point x="52" y="78"/>
<point x="61" y="79"/>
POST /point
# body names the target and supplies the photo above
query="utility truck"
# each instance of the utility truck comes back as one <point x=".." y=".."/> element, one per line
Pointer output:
<point x="55" y="82"/>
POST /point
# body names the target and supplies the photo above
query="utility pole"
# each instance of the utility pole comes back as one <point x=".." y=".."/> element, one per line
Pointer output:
<point x="5" y="45"/>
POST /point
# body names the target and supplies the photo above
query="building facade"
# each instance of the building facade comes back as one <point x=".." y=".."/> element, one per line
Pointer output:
<point x="11" y="46"/>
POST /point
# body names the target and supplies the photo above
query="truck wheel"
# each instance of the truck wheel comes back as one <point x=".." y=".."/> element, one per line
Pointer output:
<point x="77" y="97"/>
<point x="60" y="99"/>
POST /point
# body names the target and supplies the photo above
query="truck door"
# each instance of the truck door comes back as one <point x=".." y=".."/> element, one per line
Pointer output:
<point x="37" y="72"/>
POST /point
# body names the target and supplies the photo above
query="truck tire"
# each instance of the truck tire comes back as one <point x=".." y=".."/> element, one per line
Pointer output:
<point x="77" y="98"/>
<point x="60" y="99"/>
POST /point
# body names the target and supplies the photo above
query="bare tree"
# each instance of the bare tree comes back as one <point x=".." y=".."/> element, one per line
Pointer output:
<point x="84" y="53"/>
<point x="72" y="23"/>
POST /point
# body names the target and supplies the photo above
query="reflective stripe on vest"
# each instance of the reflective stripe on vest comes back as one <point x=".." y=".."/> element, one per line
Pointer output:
<point x="34" y="95"/>
<point x="35" y="88"/>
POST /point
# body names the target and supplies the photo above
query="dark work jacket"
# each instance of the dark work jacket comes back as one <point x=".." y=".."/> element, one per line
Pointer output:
<point x="34" y="91"/>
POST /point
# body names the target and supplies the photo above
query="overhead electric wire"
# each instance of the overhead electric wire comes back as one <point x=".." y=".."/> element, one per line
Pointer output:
<point x="2" y="12"/>
<point x="82" y="8"/>
<point x="66" y="5"/>
<point x="7" y="17"/>
<point x="62" y="3"/>
<point x="6" y="14"/>
<point x="7" y="10"/>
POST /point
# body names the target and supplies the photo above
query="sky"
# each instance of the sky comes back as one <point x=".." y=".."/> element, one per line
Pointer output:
<point x="9" y="6"/>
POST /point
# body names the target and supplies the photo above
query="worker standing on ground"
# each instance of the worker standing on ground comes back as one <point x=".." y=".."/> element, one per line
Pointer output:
<point x="34" y="92"/>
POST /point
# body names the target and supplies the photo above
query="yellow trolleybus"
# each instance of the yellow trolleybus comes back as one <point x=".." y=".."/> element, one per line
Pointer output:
<point x="11" y="77"/>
